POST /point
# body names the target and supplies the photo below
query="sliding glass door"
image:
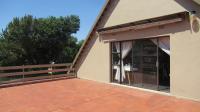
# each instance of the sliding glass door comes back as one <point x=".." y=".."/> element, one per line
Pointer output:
<point x="136" y="63"/>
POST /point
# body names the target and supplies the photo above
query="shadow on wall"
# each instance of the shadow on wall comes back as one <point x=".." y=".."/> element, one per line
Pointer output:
<point x="93" y="37"/>
<point x="192" y="7"/>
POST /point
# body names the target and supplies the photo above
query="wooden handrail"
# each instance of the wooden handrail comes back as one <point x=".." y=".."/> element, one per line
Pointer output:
<point x="52" y="71"/>
<point x="33" y="72"/>
<point x="34" y="66"/>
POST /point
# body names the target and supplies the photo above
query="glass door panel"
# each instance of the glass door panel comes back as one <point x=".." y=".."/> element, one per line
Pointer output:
<point x="116" y="54"/>
<point x="136" y="63"/>
<point x="126" y="64"/>
<point x="149" y="64"/>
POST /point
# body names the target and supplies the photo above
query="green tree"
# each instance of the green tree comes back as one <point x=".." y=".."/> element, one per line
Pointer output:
<point x="30" y="40"/>
<point x="10" y="54"/>
<point x="80" y="43"/>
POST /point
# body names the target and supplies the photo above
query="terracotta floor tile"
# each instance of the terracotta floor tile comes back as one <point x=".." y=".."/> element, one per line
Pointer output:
<point x="76" y="95"/>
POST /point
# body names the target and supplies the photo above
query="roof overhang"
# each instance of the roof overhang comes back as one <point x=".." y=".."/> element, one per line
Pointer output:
<point x="144" y="24"/>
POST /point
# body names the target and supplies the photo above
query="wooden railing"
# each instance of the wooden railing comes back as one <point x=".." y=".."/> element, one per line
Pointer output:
<point x="14" y="75"/>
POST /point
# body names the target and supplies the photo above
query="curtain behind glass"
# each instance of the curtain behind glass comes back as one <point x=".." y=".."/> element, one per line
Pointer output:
<point x="126" y="48"/>
<point x="117" y="74"/>
<point x="163" y="43"/>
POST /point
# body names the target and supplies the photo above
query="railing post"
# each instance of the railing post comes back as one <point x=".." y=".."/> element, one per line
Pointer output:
<point x="75" y="73"/>
<point x="51" y="72"/>
<point x="23" y="73"/>
<point x="67" y="70"/>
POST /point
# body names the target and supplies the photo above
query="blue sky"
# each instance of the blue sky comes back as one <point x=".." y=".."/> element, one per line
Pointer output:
<point x="87" y="10"/>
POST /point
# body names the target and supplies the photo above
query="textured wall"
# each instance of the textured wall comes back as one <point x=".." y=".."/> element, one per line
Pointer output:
<point x="94" y="63"/>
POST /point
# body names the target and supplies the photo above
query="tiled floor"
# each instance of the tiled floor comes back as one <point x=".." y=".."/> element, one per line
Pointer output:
<point x="75" y="95"/>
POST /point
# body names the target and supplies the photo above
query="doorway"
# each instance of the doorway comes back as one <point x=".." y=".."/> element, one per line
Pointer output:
<point x="142" y="63"/>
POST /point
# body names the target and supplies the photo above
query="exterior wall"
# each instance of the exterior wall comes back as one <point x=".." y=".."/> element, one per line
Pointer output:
<point x="94" y="63"/>
<point x="185" y="64"/>
<point x="134" y="10"/>
<point x="184" y="57"/>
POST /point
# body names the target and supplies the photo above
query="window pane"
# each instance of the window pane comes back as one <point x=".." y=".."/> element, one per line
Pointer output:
<point x="115" y="62"/>
<point x="116" y="59"/>
<point x="116" y="47"/>
<point x="149" y="67"/>
<point x="127" y="76"/>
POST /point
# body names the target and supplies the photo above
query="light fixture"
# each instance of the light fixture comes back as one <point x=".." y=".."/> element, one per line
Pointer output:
<point x="194" y="22"/>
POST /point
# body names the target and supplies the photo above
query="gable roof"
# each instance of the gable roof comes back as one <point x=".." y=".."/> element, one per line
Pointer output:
<point x="91" y="31"/>
<point x="106" y="5"/>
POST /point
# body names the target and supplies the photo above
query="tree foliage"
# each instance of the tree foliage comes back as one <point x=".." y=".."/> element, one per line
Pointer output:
<point x="30" y="40"/>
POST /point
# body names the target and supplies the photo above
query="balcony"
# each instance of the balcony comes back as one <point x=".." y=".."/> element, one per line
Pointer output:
<point x="77" y="95"/>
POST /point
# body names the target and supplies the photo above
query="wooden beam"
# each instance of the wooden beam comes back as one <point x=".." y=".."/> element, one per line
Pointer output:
<point x="34" y="66"/>
<point x="143" y="26"/>
<point x="34" y="72"/>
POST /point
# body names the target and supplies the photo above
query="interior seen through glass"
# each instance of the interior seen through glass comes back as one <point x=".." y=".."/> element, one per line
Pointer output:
<point x="142" y="63"/>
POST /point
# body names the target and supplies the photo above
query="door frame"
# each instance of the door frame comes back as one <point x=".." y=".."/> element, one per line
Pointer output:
<point x="111" y="59"/>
